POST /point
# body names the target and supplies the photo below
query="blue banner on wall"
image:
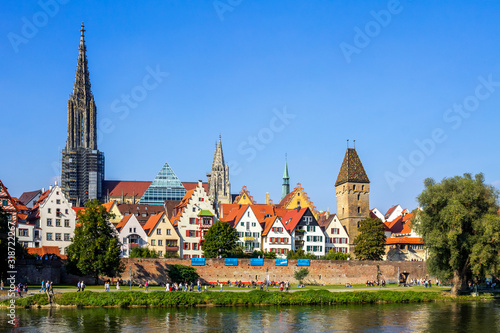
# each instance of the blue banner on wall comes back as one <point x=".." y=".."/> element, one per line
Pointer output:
<point x="280" y="262"/>
<point x="231" y="261"/>
<point x="304" y="262"/>
<point x="256" y="262"/>
<point x="197" y="261"/>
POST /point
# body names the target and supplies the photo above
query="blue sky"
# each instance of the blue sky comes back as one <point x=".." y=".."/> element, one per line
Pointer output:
<point x="415" y="83"/>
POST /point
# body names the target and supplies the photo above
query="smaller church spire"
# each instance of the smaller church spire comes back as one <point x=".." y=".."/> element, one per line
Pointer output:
<point x="285" y="188"/>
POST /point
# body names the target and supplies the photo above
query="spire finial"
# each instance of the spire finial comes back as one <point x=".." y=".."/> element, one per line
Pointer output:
<point x="347" y="143"/>
<point x="82" y="33"/>
<point x="354" y="144"/>
<point x="286" y="157"/>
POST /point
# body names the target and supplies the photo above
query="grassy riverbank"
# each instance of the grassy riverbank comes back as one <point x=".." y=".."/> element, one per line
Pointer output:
<point x="213" y="298"/>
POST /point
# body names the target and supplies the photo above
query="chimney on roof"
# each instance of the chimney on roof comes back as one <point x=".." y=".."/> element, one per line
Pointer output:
<point x="200" y="183"/>
<point x="43" y="190"/>
<point x="267" y="198"/>
<point x="50" y="187"/>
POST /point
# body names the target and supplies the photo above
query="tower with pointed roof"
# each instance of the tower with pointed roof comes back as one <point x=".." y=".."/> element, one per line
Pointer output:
<point x="285" y="187"/>
<point x="219" y="187"/>
<point x="352" y="190"/>
<point x="82" y="173"/>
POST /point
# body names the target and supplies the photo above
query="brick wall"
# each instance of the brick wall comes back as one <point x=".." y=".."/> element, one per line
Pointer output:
<point x="320" y="271"/>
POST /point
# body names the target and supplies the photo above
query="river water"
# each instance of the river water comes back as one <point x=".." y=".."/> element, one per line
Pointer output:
<point x="435" y="317"/>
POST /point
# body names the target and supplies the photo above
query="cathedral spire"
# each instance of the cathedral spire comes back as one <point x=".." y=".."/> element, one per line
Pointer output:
<point x="82" y="173"/>
<point x="219" y="187"/>
<point x="81" y="106"/>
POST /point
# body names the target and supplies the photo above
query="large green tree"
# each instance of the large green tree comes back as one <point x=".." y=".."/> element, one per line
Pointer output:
<point x="460" y="228"/>
<point x="95" y="249"/>
<point x="370" y="242"/>
<point x="220" y="239"/>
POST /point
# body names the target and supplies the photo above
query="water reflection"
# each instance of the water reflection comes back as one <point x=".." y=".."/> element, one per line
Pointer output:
<point x="439" y="317"/>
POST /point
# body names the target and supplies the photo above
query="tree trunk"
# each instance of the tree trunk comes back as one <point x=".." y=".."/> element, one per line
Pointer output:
<point x="459" y="282"/>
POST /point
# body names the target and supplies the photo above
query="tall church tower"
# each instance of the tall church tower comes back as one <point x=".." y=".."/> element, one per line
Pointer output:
<point x="82" y="164"/>
<point x="285" y="187"/>
<point x="219" y="187"/>
<point x="352" y="190"/>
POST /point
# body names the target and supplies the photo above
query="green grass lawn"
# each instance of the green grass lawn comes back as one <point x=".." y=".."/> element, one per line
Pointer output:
<point x="65" y="288"/>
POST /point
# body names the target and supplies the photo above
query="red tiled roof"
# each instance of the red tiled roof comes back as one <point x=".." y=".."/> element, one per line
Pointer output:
<point x="127" y="188"/>
<point x="117" y="188"/>
<point x="180" y="207"/>
<point x="404" y="240"/>
<point x="123" y="222"/>
<point x="41" y="251"/>
<point x="389" y="212"/>
<point x="152" y="222"/>
<point x="108" y="205"/>
<point x="292" y="218"/>
<point x="192" y="185"/>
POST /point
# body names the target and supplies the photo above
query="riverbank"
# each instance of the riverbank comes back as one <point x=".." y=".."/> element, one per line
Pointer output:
<point x="214" y="298"/>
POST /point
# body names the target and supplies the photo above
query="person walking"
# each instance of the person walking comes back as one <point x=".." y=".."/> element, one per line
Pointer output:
<point x="221" y="284"/>
<point x="43" y="286"/>
<point x="146" y="285"/>
<point x="79" y="286"/>
<point x="83" y="286"/>
<point x="117" y="285"/>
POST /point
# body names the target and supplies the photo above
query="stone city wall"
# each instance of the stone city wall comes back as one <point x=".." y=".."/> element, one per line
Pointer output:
<point x="320" y="271"/>
<point x="156" y="271"/>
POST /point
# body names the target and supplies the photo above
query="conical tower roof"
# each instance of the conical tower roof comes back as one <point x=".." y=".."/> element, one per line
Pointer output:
<point x="285" y="174"/>
<point x="352" y="169"/>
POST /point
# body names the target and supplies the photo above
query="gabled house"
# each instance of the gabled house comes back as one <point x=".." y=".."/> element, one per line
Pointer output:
<point x="393" y="213"/>
<point x="336" y="235"/>
<point x="112" y="207"/>
<point x="404" y="243"/>
<point x="298" y="198"/>
<point x="305" y="231"/>
<point x="30" y="198"/>
<point x="244" y="197"/>
<point x="8" y="204"/>
<point x="130" y="234"/>
<point x="244" y="220"/>
<point x="376" y="214"/>
<point x="193" y="216"/>
<point x="161" y="235"/>
<point x="54" y="219"/>
<point x="275" y="237"/>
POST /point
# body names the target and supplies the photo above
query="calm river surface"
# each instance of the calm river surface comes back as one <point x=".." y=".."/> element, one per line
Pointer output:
<point x="442" y="317"/>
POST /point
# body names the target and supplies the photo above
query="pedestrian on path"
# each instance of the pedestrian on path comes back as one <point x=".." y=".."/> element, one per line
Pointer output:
<point x="43" y="286"/>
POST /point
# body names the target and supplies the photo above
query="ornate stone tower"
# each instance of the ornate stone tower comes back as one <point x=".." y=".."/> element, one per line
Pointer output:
<point x="219" y="187"/>
<point x="352" y="190"/>
<point x="82" y="164"/>
<point x="285" y="187"/>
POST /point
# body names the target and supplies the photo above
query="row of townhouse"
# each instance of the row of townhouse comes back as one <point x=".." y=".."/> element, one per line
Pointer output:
<point x="270" y="229"/>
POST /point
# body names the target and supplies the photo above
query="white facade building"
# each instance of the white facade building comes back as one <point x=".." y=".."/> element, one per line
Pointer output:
<point x="130" y="234"/>
<point x="55" y="219"/>
<point x="336" y="236"/>
<point x="275" y="237"/>
<point x="193" y="216"/>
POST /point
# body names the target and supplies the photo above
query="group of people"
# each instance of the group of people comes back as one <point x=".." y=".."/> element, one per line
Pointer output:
<point x="424" y="282"/>
<point x="108" y="283"/>
<point x="46" y="287"/>
<point x="187" y="287"/>
<point x="81" y="286"/>
<point x="375" y="283"/>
